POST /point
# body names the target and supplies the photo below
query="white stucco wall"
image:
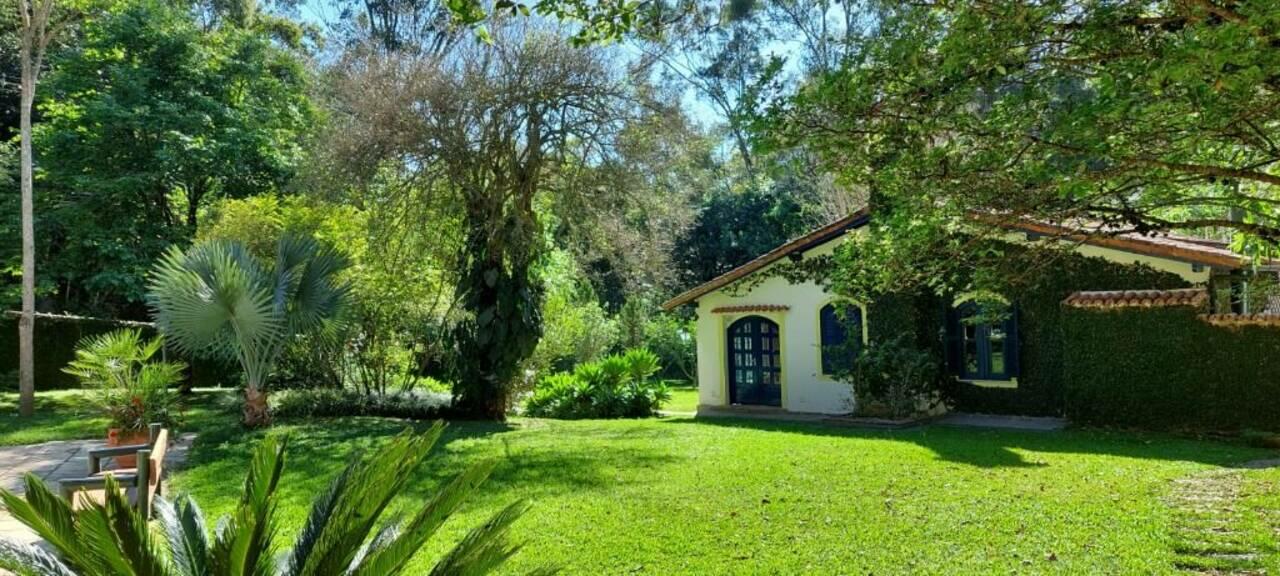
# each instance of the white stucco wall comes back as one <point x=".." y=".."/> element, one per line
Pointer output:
<point x="804" y="387"/>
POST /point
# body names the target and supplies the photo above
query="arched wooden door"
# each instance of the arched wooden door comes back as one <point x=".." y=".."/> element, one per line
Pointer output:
<point x="755" y="362"/>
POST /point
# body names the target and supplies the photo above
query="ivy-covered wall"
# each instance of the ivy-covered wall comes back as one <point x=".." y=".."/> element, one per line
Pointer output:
<point x="1038" y="298"/>
<point x="55" y="345"/>
<point x="1165" y="368"/>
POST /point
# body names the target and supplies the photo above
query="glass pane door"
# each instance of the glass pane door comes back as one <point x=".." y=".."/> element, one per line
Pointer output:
<point x="755" y="362"/>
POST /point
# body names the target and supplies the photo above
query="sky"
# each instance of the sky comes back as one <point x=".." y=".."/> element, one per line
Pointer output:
<point x="320" y="12"/>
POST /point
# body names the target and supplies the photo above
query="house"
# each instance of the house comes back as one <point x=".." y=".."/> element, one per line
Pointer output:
<point x="766" y="340"/>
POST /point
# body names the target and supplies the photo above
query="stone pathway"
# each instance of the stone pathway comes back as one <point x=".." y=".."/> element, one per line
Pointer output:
<point x="53" y="461"/>
<point x="1208" y="519"/>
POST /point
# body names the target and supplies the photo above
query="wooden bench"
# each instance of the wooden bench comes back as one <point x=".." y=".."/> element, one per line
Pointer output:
<point x="144" y="478"/>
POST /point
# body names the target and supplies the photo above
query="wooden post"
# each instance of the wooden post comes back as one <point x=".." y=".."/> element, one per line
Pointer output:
<point x="144" y="482"/>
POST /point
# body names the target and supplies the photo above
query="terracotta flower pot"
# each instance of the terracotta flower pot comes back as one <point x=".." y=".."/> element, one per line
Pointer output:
<point x="118" y="437"/>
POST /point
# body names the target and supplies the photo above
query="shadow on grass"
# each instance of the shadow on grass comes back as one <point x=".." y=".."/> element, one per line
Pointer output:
<point x="532" y="464"/>
<point x="989" y="448"/>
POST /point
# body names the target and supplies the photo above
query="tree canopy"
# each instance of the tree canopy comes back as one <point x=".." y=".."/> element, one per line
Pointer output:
<point x="1110" y="116"/>
<point x="148" y="117"/>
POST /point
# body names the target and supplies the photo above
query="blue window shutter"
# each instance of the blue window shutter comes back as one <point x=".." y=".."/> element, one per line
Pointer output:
<point x="832" y="334"/>
<point x="1011" y="344"/>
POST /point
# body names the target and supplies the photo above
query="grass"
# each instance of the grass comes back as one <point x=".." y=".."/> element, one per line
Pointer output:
<point x="676" y="495"/>
<point x="70" y="415"/>
<point x="684" y="397"/>
<point x="60" y="415"/>
<point x="1260" y="507"/>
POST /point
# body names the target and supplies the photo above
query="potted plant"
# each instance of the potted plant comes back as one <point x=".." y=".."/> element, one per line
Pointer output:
<point x="128" y="385"/>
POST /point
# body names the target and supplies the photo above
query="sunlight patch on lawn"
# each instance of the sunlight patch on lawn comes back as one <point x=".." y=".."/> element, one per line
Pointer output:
<point x="677" y="495"/>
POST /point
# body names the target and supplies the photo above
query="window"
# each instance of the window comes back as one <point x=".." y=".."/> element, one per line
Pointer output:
<point x="836" y="322"/>
<point x="982" y="350"/>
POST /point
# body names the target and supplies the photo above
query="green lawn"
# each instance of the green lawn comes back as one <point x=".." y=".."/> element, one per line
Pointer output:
<point x="60" y="415"/>
<point x="675" y="495"/>
<point x="684" y="398"/>
<point x="70" y="415"/>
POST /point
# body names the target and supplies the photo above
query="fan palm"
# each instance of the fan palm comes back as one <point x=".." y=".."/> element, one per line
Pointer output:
<point x="338" y="538"/>
<point x="217" y="299"/>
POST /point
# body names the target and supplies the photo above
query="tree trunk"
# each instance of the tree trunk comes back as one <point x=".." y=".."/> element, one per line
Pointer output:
<point x="257" y="412"/>
<point x="485" y="400"/>
<point x="26" y="324"/>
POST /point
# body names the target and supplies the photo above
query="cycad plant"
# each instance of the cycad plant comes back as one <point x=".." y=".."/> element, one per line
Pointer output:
<point x="340" y="536"/>
<point x="216" y="299"/>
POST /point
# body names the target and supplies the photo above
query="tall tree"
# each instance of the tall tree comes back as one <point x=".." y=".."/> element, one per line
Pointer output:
<point x="36" y="31"/>
<point x="149" y="118"/>
<point x="490" y="123"/>
<point x="1120" y="117"/>
<point x="723" y="58"/>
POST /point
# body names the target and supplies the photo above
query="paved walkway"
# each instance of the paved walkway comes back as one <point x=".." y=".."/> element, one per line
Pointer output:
<point x="53" y="461"/>
<point x="966" y="420"/>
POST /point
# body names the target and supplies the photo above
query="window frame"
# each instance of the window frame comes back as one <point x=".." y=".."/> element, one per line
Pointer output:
<point x="983" y="350"/>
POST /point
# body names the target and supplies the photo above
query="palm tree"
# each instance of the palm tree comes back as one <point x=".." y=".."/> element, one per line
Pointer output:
<point x="338" y="538"/>
<point x="217" y="299"/>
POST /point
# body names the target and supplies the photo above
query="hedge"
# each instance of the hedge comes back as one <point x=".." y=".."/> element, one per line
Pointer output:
<point x="1165" y="368"/>
<point x="55" y="344"/>
<point x="1042" y="359"/>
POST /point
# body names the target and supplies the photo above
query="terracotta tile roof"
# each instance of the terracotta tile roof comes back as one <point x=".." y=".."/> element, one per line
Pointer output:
<point x="1194" y="250"/>
<point x="1138" y="298"/>
<point x="750" y="308"/>
<point x="1242" y="319"/>
<point x="833" y="230"/>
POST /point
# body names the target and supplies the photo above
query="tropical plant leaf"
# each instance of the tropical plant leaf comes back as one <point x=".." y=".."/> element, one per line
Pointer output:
<point x="392" y="558"/>
<point x="308" y="280"/>
<point x="117" y="536"/>
<point x="212" y="298"/>
<point x="27" y="560"/>
<point x="132" y="533"/>
<point x="186" y="534"/>
<point x="369" y="488"/>
<point x="386" y="536"/>
<point x="321" y="510"/>
<point x="485" y="548"/>
<point x="244" y="545"/>
<point x="50" y="517"/>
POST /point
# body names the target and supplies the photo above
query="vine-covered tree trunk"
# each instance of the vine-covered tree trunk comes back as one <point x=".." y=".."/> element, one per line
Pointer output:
<point x="504" y="297"/>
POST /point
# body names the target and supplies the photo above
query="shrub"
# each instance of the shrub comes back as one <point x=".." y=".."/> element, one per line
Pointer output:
<point x="130" y="388"/>
<point x="314" y="360"/>
<point x="618" y="386"/>
<point x="672" y="338"/>
<point x="327" y="403"/>
<point x="576" y="328"/>
<point x="893" y="378"/>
